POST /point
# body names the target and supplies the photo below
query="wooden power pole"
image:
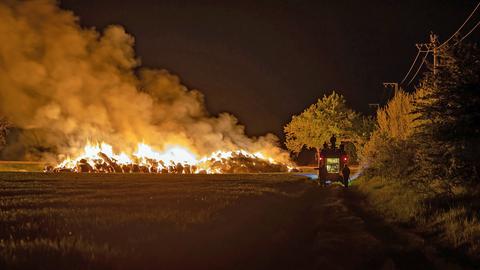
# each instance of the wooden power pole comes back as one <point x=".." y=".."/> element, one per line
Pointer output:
<point x="434" y="48"/>
<point x="431" y="47"/>
<point x="394" y="85"/>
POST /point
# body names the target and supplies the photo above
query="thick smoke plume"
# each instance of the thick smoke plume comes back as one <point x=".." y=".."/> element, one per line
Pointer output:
<point x="62" y="85"/>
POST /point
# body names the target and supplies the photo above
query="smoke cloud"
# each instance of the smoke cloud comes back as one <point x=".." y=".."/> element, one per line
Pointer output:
<point x="62" y="85"/>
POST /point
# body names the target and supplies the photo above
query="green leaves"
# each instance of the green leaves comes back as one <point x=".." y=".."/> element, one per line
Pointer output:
<point x="328" y="116"/>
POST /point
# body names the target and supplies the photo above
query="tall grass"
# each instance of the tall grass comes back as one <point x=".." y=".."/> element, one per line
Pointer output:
<point x="452" y="222"/>
<point x="392" y="198"/>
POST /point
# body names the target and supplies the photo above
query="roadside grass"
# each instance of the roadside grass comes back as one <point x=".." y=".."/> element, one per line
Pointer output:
<point x="461" y="229"/>
<point x="392" y="199"/>
<point x="94" y="221"/>
<point x="454" y="223"/>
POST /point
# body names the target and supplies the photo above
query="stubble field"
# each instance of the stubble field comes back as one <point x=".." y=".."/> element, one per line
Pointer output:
<point x="119" y="221"/>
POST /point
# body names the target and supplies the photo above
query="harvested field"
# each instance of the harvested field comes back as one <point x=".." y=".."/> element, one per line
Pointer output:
<point x="154" y="221"/>
<point x="123" y="220"/>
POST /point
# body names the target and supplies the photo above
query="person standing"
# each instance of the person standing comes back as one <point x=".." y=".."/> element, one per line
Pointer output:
<point x="333" y="141"/>
<point x="322" y="175"/>
<point x="346" y="175"/>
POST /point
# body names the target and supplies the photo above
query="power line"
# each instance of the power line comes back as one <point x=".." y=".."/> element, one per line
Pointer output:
<point x="419" y="68"/>
<point x="466" y="35"/>
<point x="458" y="30"/>
<point x="434" y="47"/>
<point x="411" y="67"/>
<point x="426" y="48"/>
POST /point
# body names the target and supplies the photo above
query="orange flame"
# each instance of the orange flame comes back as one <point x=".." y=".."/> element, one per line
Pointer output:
<point x="174" y="156"/>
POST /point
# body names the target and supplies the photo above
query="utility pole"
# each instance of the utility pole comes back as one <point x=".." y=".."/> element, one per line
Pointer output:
<point x="391" y="84"/>
<point x="388" y="85"/>
<point x="434" y="48"/>
<point x="394" y="85"/>
<point x="431" y="47"/>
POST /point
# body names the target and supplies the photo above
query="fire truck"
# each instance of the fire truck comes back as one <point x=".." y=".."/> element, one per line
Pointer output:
<point x="331" y="160"/>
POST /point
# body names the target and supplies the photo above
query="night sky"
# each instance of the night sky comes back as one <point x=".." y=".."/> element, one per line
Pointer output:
<point x="267" y="60"/>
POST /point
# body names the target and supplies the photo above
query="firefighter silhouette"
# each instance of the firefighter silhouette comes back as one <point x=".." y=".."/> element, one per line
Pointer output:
<point x="333" y="140"/>
<point x="322" y="175"/>
<point x="346" y="175"/>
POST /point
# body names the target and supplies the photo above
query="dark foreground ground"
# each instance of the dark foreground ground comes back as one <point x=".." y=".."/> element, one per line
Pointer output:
<point x="74" y="221"/>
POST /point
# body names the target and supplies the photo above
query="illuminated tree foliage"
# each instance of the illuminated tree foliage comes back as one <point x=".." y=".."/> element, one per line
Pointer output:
<point x="421" y="163"/>
<point x="328" y="116"/>
<point x="448" y="113"/>
<point x="396" y="120"/>
<point x="390" y="151"/>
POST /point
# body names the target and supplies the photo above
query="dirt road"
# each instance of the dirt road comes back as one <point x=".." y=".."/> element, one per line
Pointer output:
<point x="323" y="229"/>
<point x="73" y="221"/>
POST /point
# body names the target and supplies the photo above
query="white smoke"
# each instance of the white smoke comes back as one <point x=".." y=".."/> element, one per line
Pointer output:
<point x="67" y="85"/>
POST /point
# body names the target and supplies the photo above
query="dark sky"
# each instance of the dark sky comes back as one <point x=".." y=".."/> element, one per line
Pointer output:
<point x="267" y="60"/>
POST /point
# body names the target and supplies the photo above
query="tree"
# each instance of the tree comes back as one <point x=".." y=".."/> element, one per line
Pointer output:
<point x="396" y="120"/>
<point x="448" y="113"/>
<point x="328" y="116"/>
<point x="390" y="150"/>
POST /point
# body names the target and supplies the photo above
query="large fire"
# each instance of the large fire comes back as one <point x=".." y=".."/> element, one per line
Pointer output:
<point x="174" y="159"/>
<point x="76" y="84"/>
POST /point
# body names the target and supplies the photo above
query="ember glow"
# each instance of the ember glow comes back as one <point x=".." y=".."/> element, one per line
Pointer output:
<point x="100" y="158"/>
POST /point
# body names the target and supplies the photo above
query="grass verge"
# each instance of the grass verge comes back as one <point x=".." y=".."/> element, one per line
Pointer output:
<point x="453" y="223"/>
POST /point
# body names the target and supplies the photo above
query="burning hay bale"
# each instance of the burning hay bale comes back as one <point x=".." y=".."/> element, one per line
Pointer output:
<point x="111" y="96"/>
<point x="242" y="163"/>
<point x="102" y="160"/>
<point x="84" y="167"/>
<point x="112" y="165"/>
